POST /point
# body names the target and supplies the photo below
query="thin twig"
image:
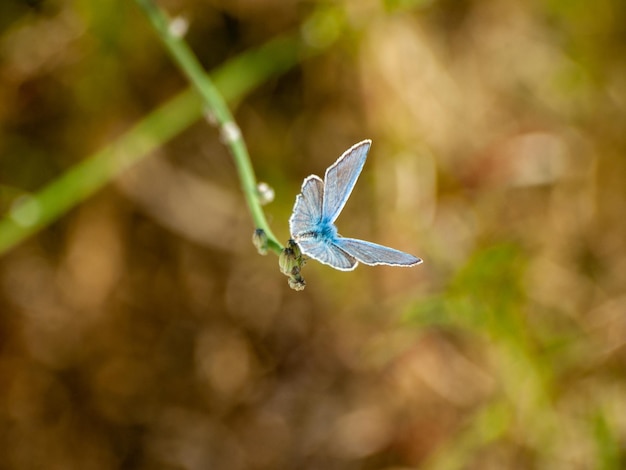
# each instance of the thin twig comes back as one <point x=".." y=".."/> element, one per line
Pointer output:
<point x="218" y="110"/>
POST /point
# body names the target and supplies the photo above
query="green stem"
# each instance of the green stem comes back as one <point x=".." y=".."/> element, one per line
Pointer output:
<point x="188" y="63"/>
<point x="233" y="79"/>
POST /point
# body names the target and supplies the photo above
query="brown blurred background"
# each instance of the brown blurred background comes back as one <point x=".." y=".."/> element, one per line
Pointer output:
<point x="141" y="330"/>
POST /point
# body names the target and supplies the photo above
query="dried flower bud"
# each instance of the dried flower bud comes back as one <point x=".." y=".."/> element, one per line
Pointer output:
<point x="296" y="283"/>
<point x="259" y="240"/>
<point x="291" y="262"/>
<point x="287" y="261"/>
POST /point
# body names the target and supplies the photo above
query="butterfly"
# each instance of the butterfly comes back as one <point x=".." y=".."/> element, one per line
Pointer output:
<point x="312" y="223"/>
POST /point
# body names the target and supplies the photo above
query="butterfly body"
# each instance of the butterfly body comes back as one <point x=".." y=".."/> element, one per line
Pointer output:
<point x="324" y="232"/>
<point x="312" y="223"/>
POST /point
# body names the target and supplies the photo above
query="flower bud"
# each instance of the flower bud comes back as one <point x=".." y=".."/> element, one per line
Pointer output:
<point x="259" y="240"/>
<point x="265" y="193"/>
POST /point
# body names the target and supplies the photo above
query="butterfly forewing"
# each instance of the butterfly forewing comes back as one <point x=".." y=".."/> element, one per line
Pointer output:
<point x="307" y="211"/>
<point x="373" y="254"/>
<point x="341" y="177"/>
<point x="327" y="253"/>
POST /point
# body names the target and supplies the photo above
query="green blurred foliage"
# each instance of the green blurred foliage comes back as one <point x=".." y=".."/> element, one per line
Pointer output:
<point x="141" y="329"/>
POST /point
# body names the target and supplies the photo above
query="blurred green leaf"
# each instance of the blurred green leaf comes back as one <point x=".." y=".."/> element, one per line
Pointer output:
<point x="608" y="445"/>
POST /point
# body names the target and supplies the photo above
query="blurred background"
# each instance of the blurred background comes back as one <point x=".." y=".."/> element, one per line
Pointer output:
<point x="142" y="330"/>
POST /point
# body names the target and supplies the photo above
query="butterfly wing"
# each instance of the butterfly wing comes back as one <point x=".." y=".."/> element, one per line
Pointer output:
<point x="373" y="254"/>
<point x="307" y="211"/>
<point x="305" y="224"/>
<point x="341" y="177"/>
<point x="327" y="253"/>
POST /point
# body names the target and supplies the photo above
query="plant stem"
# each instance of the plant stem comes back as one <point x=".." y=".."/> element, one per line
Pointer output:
<point x="233" y="79"/>
<point x="218" y="110"/>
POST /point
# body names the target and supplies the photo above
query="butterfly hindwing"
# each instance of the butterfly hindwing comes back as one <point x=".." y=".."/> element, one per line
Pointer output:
<point x="341" y="177"/>
<point x="327" y="253"/>
<point x="373" y="254"/>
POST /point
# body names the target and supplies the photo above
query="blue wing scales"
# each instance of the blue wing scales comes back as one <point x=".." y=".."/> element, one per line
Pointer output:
<point x="327" y="253"/>
<point x="307" y="211"/>
<point x="341" y="177"/>
<point x="373" y="254"/>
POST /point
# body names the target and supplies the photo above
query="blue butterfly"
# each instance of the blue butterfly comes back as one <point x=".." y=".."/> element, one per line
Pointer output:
<point x="318" y="205"/>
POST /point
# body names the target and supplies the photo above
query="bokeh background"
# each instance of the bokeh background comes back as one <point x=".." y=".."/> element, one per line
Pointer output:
<point x="142" y="330"/>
